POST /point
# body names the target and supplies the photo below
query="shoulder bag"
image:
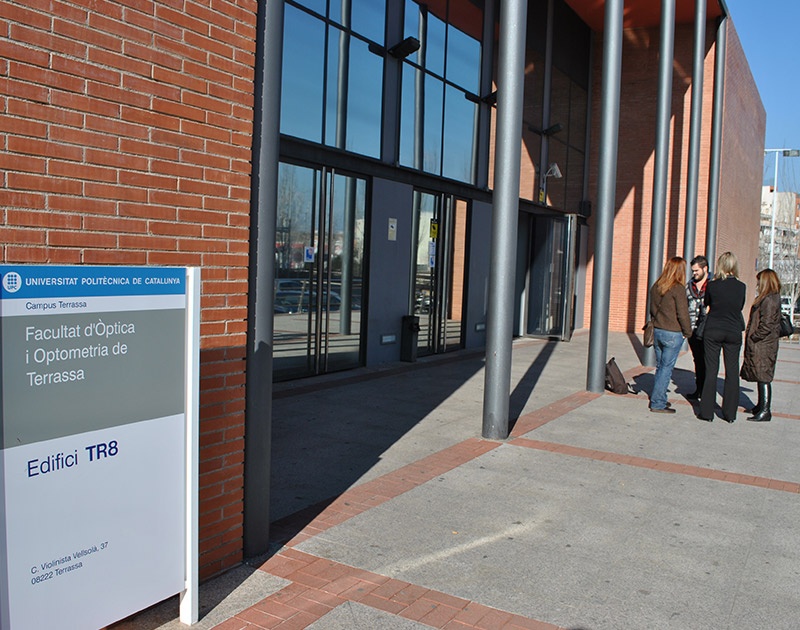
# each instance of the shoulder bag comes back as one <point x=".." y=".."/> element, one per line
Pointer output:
<point x="649" y="336"/>
<point x="786" y="328"/>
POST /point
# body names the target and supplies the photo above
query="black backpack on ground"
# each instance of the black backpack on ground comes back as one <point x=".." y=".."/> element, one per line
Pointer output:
<point x="615" y="381"/>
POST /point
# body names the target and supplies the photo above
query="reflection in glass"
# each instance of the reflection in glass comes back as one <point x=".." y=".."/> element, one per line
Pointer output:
<point x="439" y="273"/>
<point x="463" y="60"/>
<point x="302" y="76"/>
<point x="338" y="69"/>
<point x="354" y="92"/>
<point x="314" y="5"/>
<point x="406" y="143"/>
<point x="432" y="133"/>
<point x="319" y="256"/>
<point x="460" y="132"/>
<point x="412" y="18"/>
<point x="546" y="277"/>
<point x="369" y="18"/>
<point x="434" y="45"/>
<point x="364" y="103"/>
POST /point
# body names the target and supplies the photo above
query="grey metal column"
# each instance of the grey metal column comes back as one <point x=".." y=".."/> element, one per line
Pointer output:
<point x="263" y="212"/>
<point x="716" y="142"/>
<point x="695" y="129"/>
<point x="663" y="115"/>
<point x="606" y="195"/>
<point x="500" y="316"/>
<point x="547" y="89"/>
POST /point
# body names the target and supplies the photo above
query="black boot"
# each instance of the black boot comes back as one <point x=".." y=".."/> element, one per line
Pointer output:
<point x="765" y="400"/>
<point x="760" y="404"/>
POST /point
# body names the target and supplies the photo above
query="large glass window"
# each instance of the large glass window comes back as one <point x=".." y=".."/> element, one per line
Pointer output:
<point x="303" y="75"/>
<point x="438" y="124"/>
<point x="561" y="139"/>
<point x="332" y="80"/>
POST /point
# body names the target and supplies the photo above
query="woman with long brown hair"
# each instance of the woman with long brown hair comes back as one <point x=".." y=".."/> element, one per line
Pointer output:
<point x="669" y="310"/>
<point x="761" y="342"/>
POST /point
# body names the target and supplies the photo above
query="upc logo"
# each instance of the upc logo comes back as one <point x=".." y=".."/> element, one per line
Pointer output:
<point x="12" y="282"/>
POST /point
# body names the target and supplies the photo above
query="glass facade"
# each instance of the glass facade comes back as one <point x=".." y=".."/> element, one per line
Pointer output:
<point x="438" y="123"/>
<point x="345" y="89"/>
<point x="332" y="81"/>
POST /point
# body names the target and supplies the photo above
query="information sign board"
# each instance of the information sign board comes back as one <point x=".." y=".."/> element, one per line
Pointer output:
<point x="93" y="446"/>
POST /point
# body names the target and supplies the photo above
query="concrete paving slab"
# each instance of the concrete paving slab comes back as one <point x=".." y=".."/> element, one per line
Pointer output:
<point x="625" y="425"/>
<point x="584" y="543"/>
<point x="220" y="599"/>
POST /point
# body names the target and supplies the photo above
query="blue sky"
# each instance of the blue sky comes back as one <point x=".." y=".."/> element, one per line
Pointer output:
<point x="770" y="35"/>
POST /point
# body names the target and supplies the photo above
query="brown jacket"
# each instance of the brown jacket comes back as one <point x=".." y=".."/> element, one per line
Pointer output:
<point x="671" y="310"/>
<point x="761" y="340"/>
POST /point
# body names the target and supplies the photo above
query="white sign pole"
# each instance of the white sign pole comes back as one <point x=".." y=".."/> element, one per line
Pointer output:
<point x="189" y="598"/>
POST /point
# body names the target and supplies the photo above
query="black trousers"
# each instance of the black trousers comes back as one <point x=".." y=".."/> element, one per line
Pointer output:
<point x="697" y="346"/>
<point x="730" y="343"/>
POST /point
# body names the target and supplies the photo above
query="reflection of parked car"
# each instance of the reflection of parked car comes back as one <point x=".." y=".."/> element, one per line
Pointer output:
<point x="422" y="303"/>
<point x="298" y="302"/>
<point x="786" y="305"/>
<point x="289" y="284"/>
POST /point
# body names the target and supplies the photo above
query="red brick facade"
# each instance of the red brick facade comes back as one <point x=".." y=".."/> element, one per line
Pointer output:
<point x="125" y="134"/>
<point x="741" y="165"/>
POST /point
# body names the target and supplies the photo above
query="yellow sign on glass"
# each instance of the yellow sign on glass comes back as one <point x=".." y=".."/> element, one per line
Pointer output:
<point x="434" y="228"/>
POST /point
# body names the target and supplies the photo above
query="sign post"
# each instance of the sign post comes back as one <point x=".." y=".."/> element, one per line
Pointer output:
<point x="98" y="444"/>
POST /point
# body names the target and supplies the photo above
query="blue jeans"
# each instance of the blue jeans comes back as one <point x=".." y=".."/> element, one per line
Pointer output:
<point x="667" y="345"/>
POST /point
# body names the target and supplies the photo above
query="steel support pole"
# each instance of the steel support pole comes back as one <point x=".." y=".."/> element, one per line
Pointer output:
<point x="663" y="115"/>
<point x="606" y="195"/>
<point x="695" y="129"/>
<point x="500" y="315"/>
<point x="547" y="87"/>
<point x="774" y="212"/>
<point x="263" y="212"/>
<point x="716" y="142"/>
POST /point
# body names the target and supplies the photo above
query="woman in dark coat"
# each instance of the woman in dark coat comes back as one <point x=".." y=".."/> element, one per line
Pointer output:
<point x="725" y="298"/>
<point x="761" y="342"/>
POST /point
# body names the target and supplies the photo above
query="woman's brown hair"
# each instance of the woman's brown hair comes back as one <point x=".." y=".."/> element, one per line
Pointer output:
<point x="674" y="273"/>
<point x="767" y="284"/>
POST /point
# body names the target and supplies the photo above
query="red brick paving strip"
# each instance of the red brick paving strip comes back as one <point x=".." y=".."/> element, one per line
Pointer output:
<point x="548" y="413"/>
<point x="654" y="464"/>
<point x="320" y="585"/>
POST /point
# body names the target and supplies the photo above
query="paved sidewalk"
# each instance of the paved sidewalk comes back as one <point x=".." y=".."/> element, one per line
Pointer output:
<point x="392" y="512"/>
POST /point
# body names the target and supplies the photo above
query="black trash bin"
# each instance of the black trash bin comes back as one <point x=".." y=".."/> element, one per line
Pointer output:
<point x="409" y="336"/>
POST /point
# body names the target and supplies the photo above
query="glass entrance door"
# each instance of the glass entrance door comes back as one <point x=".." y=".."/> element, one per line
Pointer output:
<point x="319" y="257"/>
<point x="439" y="274"/>
<point x="549" y="288"/>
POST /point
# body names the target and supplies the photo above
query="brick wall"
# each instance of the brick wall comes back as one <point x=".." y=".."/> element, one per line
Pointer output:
<point x="125" y="132"/>
<point x="636" y="161"/>
<point x="742" y="163"/>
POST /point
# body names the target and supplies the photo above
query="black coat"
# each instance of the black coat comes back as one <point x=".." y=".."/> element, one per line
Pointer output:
<point x="761" y="340"/>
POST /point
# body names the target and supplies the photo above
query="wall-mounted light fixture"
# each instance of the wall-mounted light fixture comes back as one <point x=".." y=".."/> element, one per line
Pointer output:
<point x="551" y="130"/>
<point x="553" y="171"/>
<point x="407" y="47"/>
<point x="489" y="99"/>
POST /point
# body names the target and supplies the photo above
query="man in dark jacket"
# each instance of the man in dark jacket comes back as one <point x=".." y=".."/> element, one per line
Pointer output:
<point x="695" y="293"/>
